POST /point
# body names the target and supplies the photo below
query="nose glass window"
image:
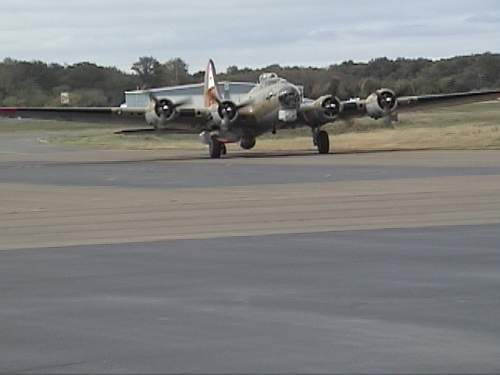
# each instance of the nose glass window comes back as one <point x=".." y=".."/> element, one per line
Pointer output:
<point x="289" y="98"/>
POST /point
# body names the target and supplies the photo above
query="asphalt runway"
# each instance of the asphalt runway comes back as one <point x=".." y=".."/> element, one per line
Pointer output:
<point x="140" y="262"/>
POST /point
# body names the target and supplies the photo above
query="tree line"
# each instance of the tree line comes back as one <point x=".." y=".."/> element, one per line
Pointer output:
<point x="37" y="83"/>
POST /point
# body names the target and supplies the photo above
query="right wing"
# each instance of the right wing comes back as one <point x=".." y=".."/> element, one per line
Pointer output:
<point x="106" y="115"/>
<point x="162" y="115"/>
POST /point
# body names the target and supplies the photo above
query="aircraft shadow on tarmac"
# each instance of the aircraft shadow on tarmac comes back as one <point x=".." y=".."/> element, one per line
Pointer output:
<point x="233" y="156"/>
<point x="251" y="155"/>
<point x="191" y="157"/>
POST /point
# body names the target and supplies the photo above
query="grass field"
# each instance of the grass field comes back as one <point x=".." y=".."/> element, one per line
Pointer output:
<point x="475" y="126"/>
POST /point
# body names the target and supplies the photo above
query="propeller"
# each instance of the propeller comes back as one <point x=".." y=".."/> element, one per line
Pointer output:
<point x="332" y="106"/>
<point x="165" y="108"/>
<point x="228" y="112"/>
<point x="387" y="100"/>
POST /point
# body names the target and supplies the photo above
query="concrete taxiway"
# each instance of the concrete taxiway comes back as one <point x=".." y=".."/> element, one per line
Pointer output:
<point x="170" y="262"/>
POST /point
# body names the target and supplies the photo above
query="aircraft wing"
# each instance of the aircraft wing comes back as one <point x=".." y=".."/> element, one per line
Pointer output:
<point x="384" y="102"/>
<point x="103" y="115"/>
<point x="426" y="101"/>
<point x="185" y="118"/>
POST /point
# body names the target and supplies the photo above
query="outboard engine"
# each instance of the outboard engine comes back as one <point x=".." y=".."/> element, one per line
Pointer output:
<point x="161" y="112"/>
<point x="165" y="109"/>
<point x="381" y="103"/>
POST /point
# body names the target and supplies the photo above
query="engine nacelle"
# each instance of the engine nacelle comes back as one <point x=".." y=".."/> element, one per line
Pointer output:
<point x="161" y="112"/>
<point x="331" y="106"/>
<point x="381" y="103"/>
<point x="325" y="109"/>
<point x="228" y="110"/>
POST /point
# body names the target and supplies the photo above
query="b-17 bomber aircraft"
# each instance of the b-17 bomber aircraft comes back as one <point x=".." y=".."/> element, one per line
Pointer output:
<point x="271" y="105"/>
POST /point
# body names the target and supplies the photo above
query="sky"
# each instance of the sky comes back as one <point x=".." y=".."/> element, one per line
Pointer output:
<point x="254" y="33"/>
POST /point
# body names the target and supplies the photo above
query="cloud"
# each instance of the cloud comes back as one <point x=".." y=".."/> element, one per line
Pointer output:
<point x="484" y="19"/>
<point x="256" y="33"/>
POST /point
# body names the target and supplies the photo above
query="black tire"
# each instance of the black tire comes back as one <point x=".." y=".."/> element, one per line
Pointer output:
<point x="215" y="148"/>
<point x="323" y="142"/>
<point x="248" y="143"/>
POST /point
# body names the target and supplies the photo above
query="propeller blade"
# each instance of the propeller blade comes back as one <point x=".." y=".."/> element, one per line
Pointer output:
<point x="152" y="97"/>
<point x="226" y="122"/>
<point x="244" y="104"/>
<point x="182" y="102"/>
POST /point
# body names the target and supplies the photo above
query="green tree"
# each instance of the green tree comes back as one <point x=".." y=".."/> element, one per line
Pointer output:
<point x="148" y="71"/>
<point x="174" y="72"/>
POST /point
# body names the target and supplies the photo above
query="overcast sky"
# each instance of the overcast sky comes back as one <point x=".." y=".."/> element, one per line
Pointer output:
<point x="245" y="33"/>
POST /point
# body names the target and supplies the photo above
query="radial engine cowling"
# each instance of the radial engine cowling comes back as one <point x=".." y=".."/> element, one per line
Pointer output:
<point x="327" y="108"/>
<point x="331" y="106"/>
<point x="228" y="110"/>
<point x="381" y="103"/>
<point x="162" y="112"/>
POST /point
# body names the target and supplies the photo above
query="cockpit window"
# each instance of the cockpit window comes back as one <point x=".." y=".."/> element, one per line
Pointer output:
<point x="289" y="98"/>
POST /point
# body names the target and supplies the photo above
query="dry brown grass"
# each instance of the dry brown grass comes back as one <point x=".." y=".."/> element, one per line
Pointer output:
<point x="467" y="127"/>
<point x="449" y="138"/>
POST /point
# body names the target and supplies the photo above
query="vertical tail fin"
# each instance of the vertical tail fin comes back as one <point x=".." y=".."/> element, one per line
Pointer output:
<point x="211" y="92"/>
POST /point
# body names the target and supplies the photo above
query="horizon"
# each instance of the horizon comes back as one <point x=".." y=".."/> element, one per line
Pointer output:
<point x="224" y="71"/>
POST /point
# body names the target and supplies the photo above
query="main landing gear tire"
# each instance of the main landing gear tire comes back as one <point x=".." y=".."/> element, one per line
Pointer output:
<point x="247" y="143"/>
<point x="216" y="148"/>
<point x="323" y="142"/>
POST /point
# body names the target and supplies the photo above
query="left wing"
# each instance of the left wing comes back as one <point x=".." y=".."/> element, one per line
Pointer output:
<point x="383" y="103"/>
<point x="426" y="101"/>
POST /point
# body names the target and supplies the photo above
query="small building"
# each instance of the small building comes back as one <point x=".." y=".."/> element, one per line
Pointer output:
<point x="234" y="91"/>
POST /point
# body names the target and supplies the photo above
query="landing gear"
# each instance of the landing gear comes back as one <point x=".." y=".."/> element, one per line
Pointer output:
<point x="247" y="143"/>
<point x="216" y="148"/>
<point x="321" y="141"/>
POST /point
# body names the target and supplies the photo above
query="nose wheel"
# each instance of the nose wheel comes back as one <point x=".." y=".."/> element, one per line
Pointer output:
<point x="321" y="141"/>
